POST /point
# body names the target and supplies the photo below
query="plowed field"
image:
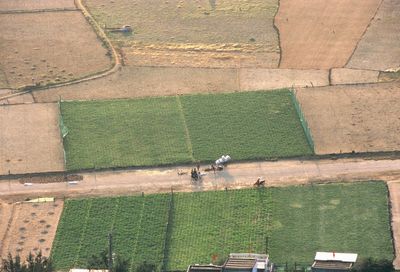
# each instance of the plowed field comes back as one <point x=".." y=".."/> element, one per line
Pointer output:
<point x="319" y="34"/>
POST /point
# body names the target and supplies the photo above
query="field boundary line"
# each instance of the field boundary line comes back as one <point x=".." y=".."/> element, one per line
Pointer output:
<point x="9" y="223"/>
<point x="363" y="34"/>
<point x="83" y="232"/>
<point x="302" y="119"/>
<point x="278" y="33"/>
<point x="22" y="11"/>
<point x="168" y="232"/>
<point x="187" y="134"/>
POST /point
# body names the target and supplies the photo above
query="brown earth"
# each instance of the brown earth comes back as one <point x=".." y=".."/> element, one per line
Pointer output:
<point x="30" y="139"/>
<point x="131" y="82"/>
<point x="317" y="34"/>
<point x="379" y="48"/>
<point x="359" y="118"/>
<point x="49" y="47"/>
<point x="353" y="76"/>
<point x="33" y="228"/>
<point x="36" y="4"/>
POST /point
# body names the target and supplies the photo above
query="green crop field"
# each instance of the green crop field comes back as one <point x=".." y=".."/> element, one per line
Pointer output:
<point x="199" y="227"/>
<point x="182" y="129"/>
<point x="252" y="125"/>
<point x="124" y="133"/>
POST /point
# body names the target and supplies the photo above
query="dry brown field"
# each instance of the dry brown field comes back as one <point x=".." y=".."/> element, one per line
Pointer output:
<point x="213" y="34"/>
<point x="379" y="49"/>
<point x="30" y="139"/>
<point x="359" y="118"/>
<point x="49" y="47"/>
<point x="34" y="5"/>
<point x="319" y="34"/>
<point x="353" y="76"/>
<point x="32" y="227"/>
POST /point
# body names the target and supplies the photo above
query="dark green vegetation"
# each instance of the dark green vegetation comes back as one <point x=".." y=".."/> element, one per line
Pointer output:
<point x="33" y="262"/>
<point x="244" y="125"/>
<point x="171" y="130"/>
<point x="189" y="228"/>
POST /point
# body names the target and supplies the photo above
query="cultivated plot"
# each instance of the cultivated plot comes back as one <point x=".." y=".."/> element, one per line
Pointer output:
<point x="252" y="125"/>
<point x="379" y="48"/>
<point x="32" y="228"/>
<point x="321" y="35"/>
<point x="34" y="5"/>
<point x="124" y="133"/>
<point x="205" y="226"/>
<point x="218" y="33"/>
<point x="30" y="139"/>
<point x="138" y="224"/>
<point x="359" y="118"/>
<point x="62" y="47"/>
<point x="172" y="130"/>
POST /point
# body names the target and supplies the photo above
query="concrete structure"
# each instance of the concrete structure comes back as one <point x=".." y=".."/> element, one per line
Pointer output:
<point x="333" y="262"/>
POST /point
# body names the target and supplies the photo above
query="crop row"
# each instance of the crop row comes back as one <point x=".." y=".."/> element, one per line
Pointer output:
<point x="289" y="223"/>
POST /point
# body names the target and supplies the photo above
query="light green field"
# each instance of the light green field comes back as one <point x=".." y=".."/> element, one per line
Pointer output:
<point x="124" y="133"/>
<point x="182" y="129"/>
<point x="199" y="227"/>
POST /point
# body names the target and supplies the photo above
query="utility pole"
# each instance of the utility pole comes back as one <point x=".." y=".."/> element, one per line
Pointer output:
<point x="110" y="257"/>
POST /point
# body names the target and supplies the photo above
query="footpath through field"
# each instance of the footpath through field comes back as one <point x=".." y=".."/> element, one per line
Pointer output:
<point x="238" y="175"/>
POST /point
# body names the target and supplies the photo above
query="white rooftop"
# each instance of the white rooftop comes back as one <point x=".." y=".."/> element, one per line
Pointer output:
<point x="335" y="256"/>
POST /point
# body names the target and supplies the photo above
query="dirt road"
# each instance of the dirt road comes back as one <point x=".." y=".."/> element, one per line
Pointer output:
<point x="238" y="175"/>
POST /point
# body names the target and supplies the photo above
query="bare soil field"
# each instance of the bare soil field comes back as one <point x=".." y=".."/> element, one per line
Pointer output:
<point x="359" y="118"/>
<point x="133" y="82"/>
<point x="318" y="34"/>
<point x="49" y="47"/>
<point x="30" y="139"/>
<point x="267" y="79"/>
<point x="353" y="76"/>
<point x="37" y="4"/>
<point x="379" y="48"/>
<point x="146" y="81"/>
<point x="33" y="227"/>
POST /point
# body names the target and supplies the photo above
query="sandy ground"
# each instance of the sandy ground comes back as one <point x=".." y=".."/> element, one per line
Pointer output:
<point x="360" y="118"/>
<point x="379" y="48"/>
<point x="30" y="139"/>
<point x="319" y="34"/>
<point x="133" y="82"/>
<point x="6" y="213"/>
<point x="353" y="76"/>
<point x="267" y="79"/>
<point x="49" y="47"/>
<point x="33" y="227"/>
<point x="238" y="175"/>
<point x="36" y="4"/>
<point x="394" y="190"/>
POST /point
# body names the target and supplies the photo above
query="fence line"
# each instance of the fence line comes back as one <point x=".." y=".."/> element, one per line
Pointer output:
<point x="303" y="120"/>
<point x="63" y="132"/>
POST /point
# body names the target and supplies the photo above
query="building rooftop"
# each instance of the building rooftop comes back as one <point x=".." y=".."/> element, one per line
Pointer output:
<point x="332" y="265"/>
<point x="204" y="268"/>
<point x="338" y="257"/>
<point x="239" y="264"/>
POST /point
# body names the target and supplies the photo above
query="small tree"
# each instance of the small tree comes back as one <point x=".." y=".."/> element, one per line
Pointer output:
<point x="99" y="261"/>
<point x="34" y="263"/>
<point x="373" y="265"/>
